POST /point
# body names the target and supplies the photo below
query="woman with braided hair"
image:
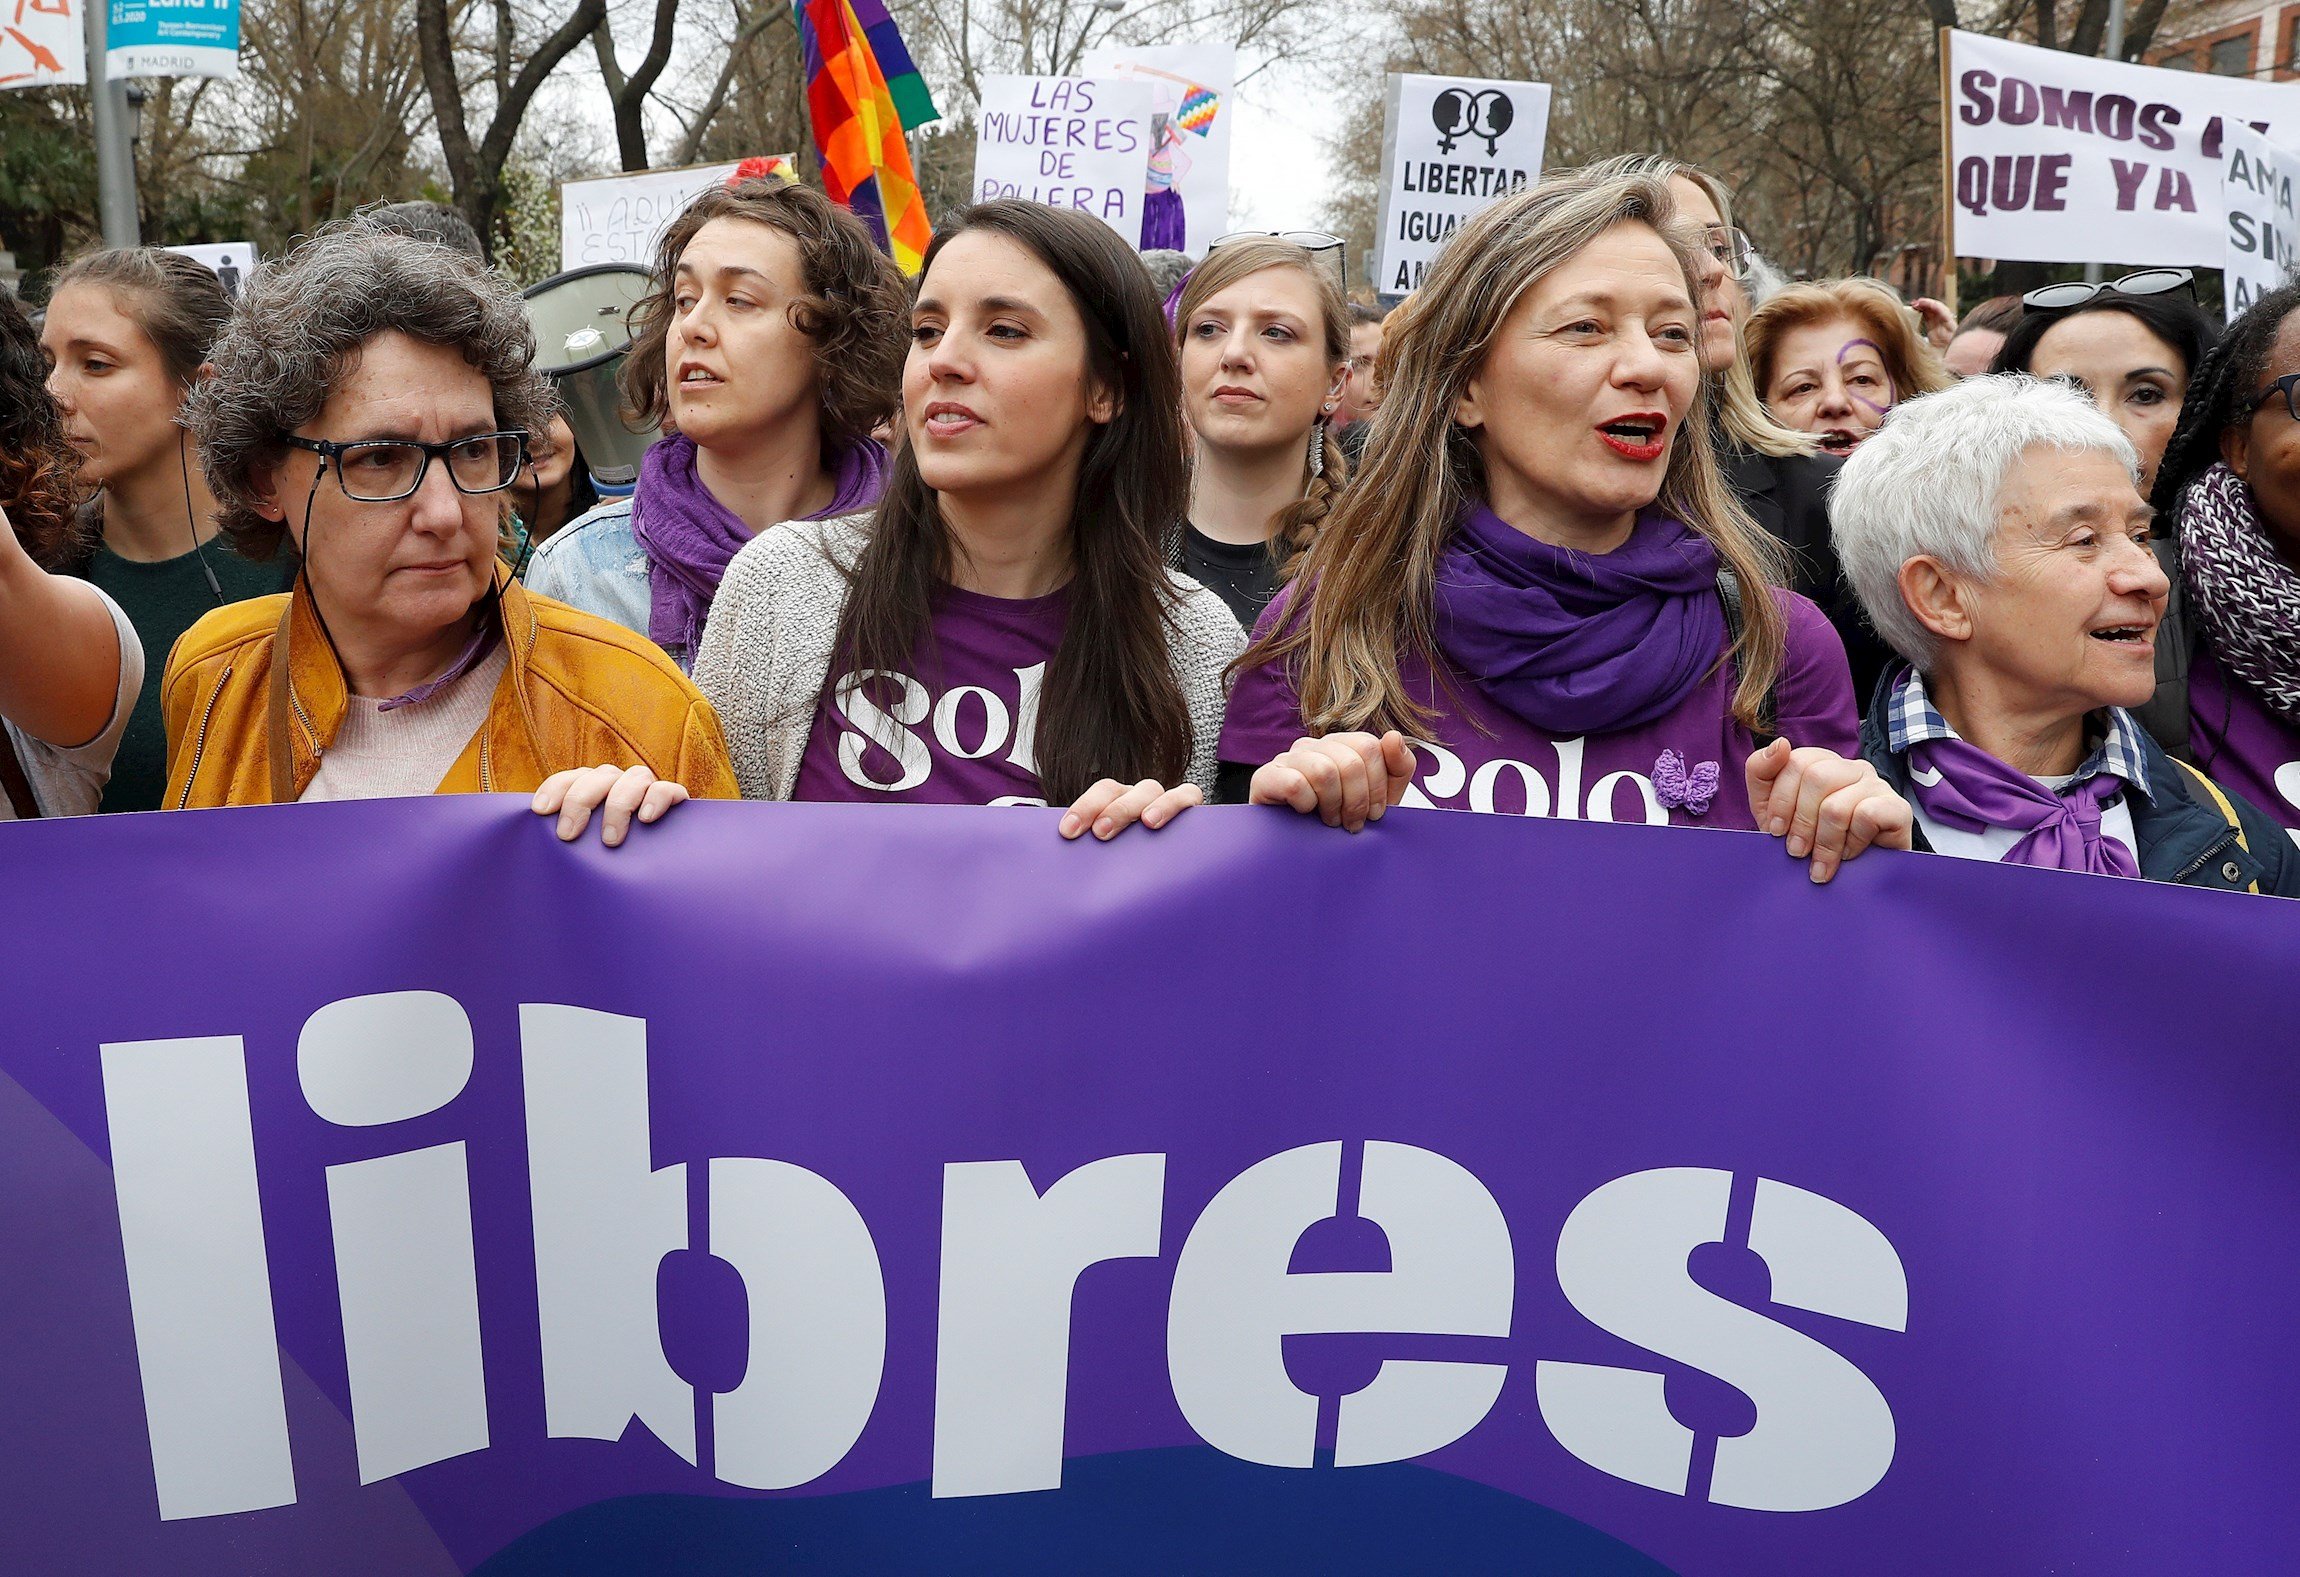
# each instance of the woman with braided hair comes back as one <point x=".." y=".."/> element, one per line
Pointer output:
<point x="1265" y="351"/>
<point x="2228" y="501"/>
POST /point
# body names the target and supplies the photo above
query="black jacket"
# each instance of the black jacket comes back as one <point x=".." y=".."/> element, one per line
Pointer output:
<point x="1789" y="496"/>
<point x="2183" y="836"/>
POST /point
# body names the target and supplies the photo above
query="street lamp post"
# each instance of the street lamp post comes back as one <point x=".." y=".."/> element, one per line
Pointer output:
<point x="115" y="160"/>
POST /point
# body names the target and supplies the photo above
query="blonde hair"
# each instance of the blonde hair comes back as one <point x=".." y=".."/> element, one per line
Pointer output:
<point x="1913" y="365"/>
<point x="1370" y="580"/>
<point x="1740" y="413"/>
<point x="1298" y="523"/>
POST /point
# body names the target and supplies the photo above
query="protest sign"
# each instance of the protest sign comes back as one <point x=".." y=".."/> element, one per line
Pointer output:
<point x="172" y="38"/>
<point x="230" y="261"/>
<point x="1193" y="106"/>
<point x="44" y="44"/>
<point x="2060" y="158"/>
<point x="836" y="1188"/>
<point x="2263" y="234"/>
<point x="1068" y="142"/>
<point x="619" y="218"/>
<point x="1450" y="146"/>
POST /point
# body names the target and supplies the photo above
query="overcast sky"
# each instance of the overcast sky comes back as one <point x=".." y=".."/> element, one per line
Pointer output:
<point x="1279" y="175"/>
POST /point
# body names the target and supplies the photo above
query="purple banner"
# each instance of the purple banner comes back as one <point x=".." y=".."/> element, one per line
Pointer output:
<point x="389" y="1188"/>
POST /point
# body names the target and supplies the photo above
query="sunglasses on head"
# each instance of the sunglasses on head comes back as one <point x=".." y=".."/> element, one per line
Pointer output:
<point x="2075" y="293"/>
<point x="1315" y="242"/>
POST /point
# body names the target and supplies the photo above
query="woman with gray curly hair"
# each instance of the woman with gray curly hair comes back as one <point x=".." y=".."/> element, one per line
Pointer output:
<point x="372" y="394"/>
<point x="1997" y="539"/>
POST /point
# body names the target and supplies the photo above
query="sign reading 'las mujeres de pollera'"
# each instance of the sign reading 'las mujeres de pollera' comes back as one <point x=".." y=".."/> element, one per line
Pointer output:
<point x="1450" y="145"/>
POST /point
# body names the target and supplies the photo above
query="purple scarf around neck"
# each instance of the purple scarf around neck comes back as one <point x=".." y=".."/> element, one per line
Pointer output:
<point x="691" y="537"/>
<point x="1580" y="643"/>
<point x="1972" y="790"/>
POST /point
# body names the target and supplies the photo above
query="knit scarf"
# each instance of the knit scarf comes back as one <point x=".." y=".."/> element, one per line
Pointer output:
<point x="1965" y="787"/>
<point x="2247" y="598"/>
<point x="1580" y="643"/>
<point x="691" y="537"/>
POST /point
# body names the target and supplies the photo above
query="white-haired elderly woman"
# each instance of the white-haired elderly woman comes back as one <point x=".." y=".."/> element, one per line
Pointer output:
<point x="372" y="397"/>
<point x="1995" y="535"/>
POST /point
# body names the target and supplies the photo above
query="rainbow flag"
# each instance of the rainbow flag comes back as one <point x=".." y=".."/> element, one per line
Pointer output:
<point x="863" y="93"/>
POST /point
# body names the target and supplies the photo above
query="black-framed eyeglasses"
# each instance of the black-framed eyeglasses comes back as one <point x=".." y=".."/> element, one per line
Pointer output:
<point x="2077" y="292"/>
<point x="2289" y="387"/>
<point x="1730" y="247"/>
<point x="386" y="470"/>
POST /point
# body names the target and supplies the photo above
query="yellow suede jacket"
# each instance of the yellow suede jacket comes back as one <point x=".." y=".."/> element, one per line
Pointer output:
<point x="578" y="692"/>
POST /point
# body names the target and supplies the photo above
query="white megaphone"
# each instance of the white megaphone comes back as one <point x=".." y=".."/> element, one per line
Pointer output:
<point x="582" y="323"/>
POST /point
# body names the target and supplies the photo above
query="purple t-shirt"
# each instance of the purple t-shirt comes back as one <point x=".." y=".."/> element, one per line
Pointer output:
<point x="1686" y="768"/>
<point x="958" y="732"/>
<point x="2240" y="744"/>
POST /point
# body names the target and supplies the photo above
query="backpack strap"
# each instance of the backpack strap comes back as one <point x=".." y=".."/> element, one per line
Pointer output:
<point x="1768" y="710"/>
<point x="2227" y="810"/>
<point x="21" y="799"/>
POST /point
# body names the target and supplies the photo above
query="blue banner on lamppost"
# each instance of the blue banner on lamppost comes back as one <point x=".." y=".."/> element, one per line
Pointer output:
<point x="173" y="38"/>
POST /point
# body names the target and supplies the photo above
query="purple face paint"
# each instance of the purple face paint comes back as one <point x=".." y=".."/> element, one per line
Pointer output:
<point x="1847" y="349"/>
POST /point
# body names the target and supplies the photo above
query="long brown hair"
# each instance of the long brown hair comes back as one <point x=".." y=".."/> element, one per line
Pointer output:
<point x="1298" y="522"/>
<point x="855" y="312"/>
<point x="1371" y="577"/>
<point x="1110" y="705"/>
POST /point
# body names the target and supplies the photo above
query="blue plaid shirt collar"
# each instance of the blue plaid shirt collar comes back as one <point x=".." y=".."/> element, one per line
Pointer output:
<point x="1910" y="720"/>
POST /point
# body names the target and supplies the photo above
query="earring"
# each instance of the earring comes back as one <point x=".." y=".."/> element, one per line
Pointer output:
<point x="1318" y="450"/>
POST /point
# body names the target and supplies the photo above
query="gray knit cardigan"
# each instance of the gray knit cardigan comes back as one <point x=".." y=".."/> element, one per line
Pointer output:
<point x="766" y="652"/>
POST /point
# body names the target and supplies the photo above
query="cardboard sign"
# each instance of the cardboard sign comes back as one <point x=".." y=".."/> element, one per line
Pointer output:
<point x="172" y="38"/>
<point x="44" y="44"/>
<point x="2263" y="234"/>
<point x="2059" y="158"/>
<point x="619" y="218"/>
<point x="230" y="261"/>
<point x="1450" y="146"/>
<point x="1193" y="105"/>
<point x="1067" y="142"/>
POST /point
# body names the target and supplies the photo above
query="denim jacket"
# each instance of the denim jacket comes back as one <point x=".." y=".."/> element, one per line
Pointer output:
<point x="596" y="564"/>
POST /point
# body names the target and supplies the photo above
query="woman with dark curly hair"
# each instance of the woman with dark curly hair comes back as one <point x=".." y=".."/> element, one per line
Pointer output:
<point x="2227" y="503"/>
<point x="769" y="350"/>
<point x="70" y="664"/>
<point x="371" y="397"/>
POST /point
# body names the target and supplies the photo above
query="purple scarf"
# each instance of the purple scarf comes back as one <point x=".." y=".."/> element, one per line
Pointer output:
<point x="1579" y="643"/>
<point x="1973" y="791"/>
<point x="691" y="537"/>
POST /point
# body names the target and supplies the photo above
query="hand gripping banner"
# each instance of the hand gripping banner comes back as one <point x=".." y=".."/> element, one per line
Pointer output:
<point x="389" y="1188"/>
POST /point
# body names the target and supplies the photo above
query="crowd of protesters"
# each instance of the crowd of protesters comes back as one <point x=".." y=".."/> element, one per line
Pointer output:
<point x="1581" y="529"/>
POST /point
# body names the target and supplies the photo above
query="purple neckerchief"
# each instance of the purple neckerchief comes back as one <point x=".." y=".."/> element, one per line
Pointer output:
<point x="1963" y="786"/>
<point x="1580" y="643"/>
<point x="473" y="654"/>
<point x="691" y="537"/>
